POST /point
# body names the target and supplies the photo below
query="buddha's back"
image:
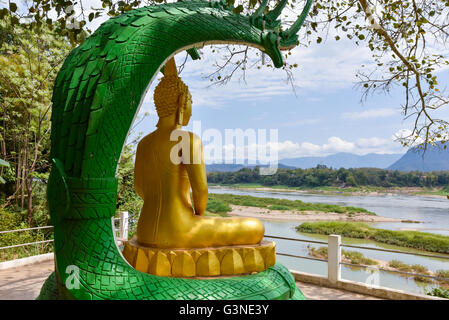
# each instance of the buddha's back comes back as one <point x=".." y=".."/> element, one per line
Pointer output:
<point x="163" y="184"/>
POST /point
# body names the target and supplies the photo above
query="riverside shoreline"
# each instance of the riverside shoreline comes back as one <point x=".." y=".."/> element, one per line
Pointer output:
<point x="264" y="213"/>
<point x="415" y="191"/>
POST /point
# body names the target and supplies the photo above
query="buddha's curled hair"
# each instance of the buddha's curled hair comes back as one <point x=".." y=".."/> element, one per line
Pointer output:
<point x="168" y="90"/>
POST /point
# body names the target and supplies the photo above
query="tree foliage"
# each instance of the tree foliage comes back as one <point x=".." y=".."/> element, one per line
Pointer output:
<point x="322" y="176"/>
<point x="29" y="62"/>
<point x="407" y="40"/>
<point x="408" y="43"/>
<point x="3" y="163"/>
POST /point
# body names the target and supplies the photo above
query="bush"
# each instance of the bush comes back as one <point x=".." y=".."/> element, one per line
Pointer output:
<point x="439" y="292"/>
<point x="353" y="256"/>
<point x="420" y="269"/>
<point x="278" y="207"/>
<point x="396" y="264"/>
<point x="443" y="274"/>
<point x="358" y="258"/>
<point x="217" y="206"/>
<point x="321" y="252"/>
<point x="422" y="279"/>
<point x="348" y="229"/>
<point x="249" y="201"/>
<point x="412" y="239"/>
<point x="10" y="220"/>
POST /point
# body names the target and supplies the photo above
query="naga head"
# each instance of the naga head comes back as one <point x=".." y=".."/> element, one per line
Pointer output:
<point x="273" y="38"/>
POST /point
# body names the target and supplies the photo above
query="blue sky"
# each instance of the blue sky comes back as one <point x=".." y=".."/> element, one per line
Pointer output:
<point x="324" y="117"/>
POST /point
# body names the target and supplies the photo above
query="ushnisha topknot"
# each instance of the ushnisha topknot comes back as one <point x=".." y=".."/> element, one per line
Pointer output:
<point x="168" y="90"/>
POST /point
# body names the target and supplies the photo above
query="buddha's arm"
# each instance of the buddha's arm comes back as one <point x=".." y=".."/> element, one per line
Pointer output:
<point x="138" y="172"/>
<point x="196" y="171"/>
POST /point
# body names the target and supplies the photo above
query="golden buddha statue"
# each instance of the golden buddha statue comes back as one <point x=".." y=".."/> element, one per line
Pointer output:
<point x="168" y="219"/>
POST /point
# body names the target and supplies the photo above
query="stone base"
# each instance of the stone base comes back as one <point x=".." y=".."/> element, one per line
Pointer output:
<point x="201" y="262"/>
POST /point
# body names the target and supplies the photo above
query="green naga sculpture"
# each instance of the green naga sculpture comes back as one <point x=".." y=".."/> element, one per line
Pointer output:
<point x="97" y="94"/>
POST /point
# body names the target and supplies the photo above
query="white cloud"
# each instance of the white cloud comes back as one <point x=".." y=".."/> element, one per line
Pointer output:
<point x="335" y="144"/>
<point x="406" y="135"/>
<point x="371" y="142"/>
<point x="322" y="67"/>
<point x="362" y="146"/>
<point x="302" y="122"/>
<point x="289" y="149"/>
<point x="370" y="114"/>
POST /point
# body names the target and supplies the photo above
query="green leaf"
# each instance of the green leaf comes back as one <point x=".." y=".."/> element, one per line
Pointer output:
<point x="3" y="163"/>
<point x="13" y="7"/>
<point x="2" y="180"/>
<point x="3" y="13"/>
<point x="238" y="9"/>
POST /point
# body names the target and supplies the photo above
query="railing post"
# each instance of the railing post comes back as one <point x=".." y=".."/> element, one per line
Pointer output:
<point x="334" y="256"/>
<point x="123" y="230"/>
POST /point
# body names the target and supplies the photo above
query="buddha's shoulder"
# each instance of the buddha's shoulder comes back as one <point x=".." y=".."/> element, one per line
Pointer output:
<point x="195" y="140"/>
<point x="147" y="138"/>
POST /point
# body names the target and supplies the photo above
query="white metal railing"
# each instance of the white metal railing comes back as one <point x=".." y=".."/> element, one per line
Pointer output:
<point x="334" y="249"/>
<point x="27" y="229"/>
<point x="122" y="230"/>
<point x="334" y="262"/>
<point x="28" y="243"/>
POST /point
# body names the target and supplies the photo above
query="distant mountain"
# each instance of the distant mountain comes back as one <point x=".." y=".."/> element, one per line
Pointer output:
<point x="224" y="167"/>
<point x="236" y="167"/>
<point x="345" y="160"/>
<point x="435" y="159"/>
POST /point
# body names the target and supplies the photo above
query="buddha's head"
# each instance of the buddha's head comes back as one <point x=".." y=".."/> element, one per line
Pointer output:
<point x="172" y="97"/>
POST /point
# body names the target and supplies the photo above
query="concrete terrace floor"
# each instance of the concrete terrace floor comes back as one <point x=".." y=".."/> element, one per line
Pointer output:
<point x="24" y="283"/>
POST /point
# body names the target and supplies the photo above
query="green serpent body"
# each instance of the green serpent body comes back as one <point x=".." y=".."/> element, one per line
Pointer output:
<point x="96" y="96"/>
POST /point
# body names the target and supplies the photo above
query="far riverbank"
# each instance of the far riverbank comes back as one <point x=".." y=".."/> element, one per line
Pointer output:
<point x="432" y="212"/>
<point x="288" y="210"/>
<point x="287" y="215"/>
<point x="349" y="191"/>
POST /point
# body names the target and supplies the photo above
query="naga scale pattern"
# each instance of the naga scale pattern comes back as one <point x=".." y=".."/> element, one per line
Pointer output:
<point x="96" y="96"/>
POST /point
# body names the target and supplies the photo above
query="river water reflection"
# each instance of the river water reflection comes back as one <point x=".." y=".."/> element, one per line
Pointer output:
<point x="432" y="212"/>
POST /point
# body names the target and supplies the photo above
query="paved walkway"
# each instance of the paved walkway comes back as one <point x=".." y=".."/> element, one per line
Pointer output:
<point x="24" y="283"/>
<point x="314" y="292"/>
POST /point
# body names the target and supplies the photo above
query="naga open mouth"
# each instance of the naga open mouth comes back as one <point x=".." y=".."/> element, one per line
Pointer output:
<point x="274" y="40"/>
